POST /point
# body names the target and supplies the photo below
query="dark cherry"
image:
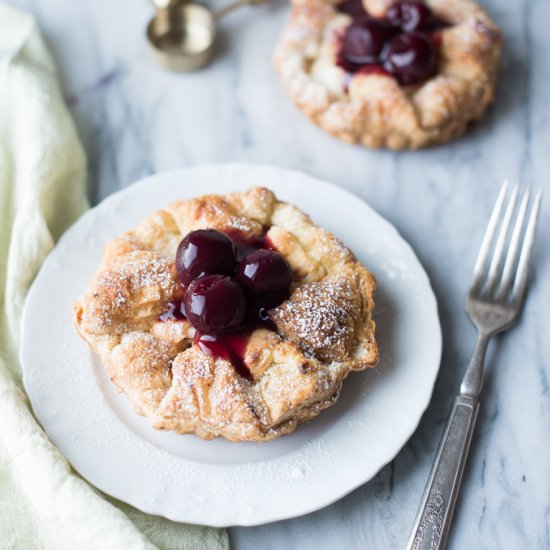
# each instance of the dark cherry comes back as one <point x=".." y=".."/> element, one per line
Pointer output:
<point x="410" y="57"/>
<point x="353" y="8"/>
<point x="214" y="304"/>
<point x="231" y="347"/>
<point x="205" y="252"/>
<point x="364" y="41"/>
<point x="246" y="245"/>
<point x="411" y="16"/>
<point x="264" y="273"/>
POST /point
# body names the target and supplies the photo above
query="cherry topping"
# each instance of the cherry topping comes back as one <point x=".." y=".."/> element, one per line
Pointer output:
<point x="265" y="273"/>
<point x="411" y="16"/>
<point x="410" y="57"/>
<point x="205" y="252"/>
<point x="214" y="303"/>
<point x="224" y="311"/>
<point x="364" y="41"/>
<point x="403" y="44"/>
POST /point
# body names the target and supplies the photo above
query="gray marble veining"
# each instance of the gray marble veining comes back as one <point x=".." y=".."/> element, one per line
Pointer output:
<point x="135" y="119"/>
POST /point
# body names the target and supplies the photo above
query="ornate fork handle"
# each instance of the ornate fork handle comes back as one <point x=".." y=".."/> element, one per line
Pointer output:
<point x="493" y="303"/>
<point x="433" y="520"/>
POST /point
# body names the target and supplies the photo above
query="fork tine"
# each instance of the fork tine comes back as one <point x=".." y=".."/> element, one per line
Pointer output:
<point x="514" y="250"/>
<point x="498" y="254"/>
<point x="483" y="254"/>
<point x="521" y="275"/>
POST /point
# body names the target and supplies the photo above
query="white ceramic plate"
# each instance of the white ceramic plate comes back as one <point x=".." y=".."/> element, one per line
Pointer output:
<point x="216" y="482"/>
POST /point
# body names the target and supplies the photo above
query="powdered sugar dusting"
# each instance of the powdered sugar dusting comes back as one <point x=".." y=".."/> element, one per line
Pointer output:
<point x="320" y="315"/>
<point x="139" y="274"/>
<point x="273" y="475"/>
<point x="118" y="291"/>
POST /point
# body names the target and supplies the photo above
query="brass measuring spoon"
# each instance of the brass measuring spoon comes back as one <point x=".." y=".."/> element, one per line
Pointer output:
<point x="181" y="36"/>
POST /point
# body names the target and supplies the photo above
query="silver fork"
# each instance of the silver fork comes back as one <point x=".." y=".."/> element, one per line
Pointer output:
<point x="493" y="303"/>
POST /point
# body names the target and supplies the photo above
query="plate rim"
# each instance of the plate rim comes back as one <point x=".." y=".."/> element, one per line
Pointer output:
<point x="314" y="504"/>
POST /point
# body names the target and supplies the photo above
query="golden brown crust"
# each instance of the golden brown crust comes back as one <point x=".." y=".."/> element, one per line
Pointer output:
<point x="324" y="330"/>
<point x="376" y="111"/>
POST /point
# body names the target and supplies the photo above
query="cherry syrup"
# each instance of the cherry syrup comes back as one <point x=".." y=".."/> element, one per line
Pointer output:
<point x="231" y="347"/>
<point x="173" y="313"/>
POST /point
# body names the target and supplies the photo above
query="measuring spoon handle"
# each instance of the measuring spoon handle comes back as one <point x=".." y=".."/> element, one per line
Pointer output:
<point x="218" y="14"/>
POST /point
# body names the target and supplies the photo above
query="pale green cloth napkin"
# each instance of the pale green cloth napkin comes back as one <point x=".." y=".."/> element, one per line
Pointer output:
<point x="43" y="503"/>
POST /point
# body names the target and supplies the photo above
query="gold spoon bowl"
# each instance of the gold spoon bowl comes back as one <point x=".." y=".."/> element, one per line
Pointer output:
<point x="181" y="36"/>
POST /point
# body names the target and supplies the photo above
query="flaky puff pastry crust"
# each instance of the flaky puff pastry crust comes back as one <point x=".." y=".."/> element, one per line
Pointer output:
<point x="374" y="109"/>
<point x="324" y="330"/>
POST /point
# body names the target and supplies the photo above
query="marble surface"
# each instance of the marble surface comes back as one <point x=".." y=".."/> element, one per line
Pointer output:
<point x="135" y="119"/>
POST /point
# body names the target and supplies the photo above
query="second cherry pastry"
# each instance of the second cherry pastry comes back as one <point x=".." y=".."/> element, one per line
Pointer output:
<point x="401" y="74"/>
